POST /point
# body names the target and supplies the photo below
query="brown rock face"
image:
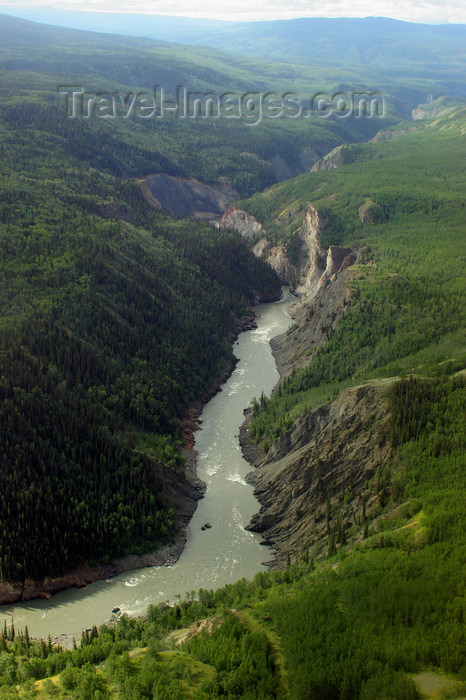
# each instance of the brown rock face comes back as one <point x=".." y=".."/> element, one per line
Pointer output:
<point x="311" y="263"/>
<point x="249" y="228"/>
<point x="277" y="258"/>
<point x="30" y="589"/>
<point x="314" y="265"/>
<point x="329" y="453"/>
<point x="335" y="258"/>
<point x="315" y="319"/>
<point x="242" y="222"/>
<point x="339" y="156"/>
<point x="318" y="266"/>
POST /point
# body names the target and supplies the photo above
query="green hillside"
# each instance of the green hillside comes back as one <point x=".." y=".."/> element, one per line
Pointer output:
<point x="407" y="313"/>
<point x="391" y="47"/>
<point x="379" y="618"/>
<point x="115" y="317"/>
<point x="399" y="51"/>
<point x="104" y="343"/>
<point x="377" y="622"/>
<point x="36" y="59"/>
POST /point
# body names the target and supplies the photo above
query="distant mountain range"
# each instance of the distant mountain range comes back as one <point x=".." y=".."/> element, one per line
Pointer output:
<point x="381" y="42"/>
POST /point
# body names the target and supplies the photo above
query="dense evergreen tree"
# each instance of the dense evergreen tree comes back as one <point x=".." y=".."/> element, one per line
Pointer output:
<point x="109" y="328"/>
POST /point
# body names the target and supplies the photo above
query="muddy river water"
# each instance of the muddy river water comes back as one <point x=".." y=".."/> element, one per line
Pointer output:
<point x="211" y="558"/>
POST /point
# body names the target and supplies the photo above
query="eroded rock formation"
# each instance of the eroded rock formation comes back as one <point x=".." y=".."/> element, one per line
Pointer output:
<point x="186" y="196"/>
<point x="315" y="481"/>
<point x="242" y="222"/>
<point x="319" y="266"/>
<point x="314" y="265"/>
<point x="277" y="258"/>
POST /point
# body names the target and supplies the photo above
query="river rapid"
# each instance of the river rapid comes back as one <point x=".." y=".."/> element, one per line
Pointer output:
<point x="214" y="557"/>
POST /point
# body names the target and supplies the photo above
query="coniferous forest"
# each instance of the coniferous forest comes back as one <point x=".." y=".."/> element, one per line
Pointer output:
<point x="116" y="317"/>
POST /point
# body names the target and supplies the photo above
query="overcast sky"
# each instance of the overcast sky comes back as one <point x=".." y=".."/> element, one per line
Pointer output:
<point x="430" y="11"/>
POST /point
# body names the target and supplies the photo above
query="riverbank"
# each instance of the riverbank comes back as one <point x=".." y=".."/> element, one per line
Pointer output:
<point x="192" y="420"/>
<point x="185" y="491"/>
<point x="212" y="557"/>
<point x="166" y="555"/>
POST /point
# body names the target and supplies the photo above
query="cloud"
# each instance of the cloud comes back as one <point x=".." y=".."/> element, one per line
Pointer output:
<point x="430" y="11"/>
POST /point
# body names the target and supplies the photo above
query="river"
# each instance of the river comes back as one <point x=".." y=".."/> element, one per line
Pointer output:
<point x="211" y="558"/>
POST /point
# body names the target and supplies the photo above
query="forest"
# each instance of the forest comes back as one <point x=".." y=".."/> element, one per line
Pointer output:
<point x="114" y="318"/>
<point x="362" y="623"/>
<point x="375" y="614"/>
<point x="407" y="289"/>
<point x="36" y="59"/>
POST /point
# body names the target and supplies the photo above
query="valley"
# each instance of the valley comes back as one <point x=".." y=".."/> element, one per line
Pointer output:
<point x="227" y="551"/>
<point x="284" y="386"/>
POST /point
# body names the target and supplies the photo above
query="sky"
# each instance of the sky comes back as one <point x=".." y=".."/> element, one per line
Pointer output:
<point x="428" y="11"/>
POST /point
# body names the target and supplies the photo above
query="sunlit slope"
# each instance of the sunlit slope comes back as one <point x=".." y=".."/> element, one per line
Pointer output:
<point x="418" y="161"/>
<point x="369" y="621"/>
<point x="407" y="308"/>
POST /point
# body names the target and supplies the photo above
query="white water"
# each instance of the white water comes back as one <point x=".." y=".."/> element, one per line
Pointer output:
<point x="211" y="558"/>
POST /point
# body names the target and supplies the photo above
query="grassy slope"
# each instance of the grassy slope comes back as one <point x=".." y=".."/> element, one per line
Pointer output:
<point x="367" y="621"/>
<point x="358" y="626"/>
<point x="407" y="313"/>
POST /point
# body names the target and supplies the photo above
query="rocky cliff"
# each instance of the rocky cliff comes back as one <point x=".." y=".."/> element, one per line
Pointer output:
<point x="277" y="258"/>
<point x="186" y="196"/>
<point x="317" y="480"/>
<point x="312" y="268"/>
<point x="318" y="266"/>
<point x="242" y="222"/>
<point x="315" y="319"/>
<point x="250" y="229"/>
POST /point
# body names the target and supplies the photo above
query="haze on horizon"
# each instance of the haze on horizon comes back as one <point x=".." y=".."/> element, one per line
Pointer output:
<point x="428" y="11"/>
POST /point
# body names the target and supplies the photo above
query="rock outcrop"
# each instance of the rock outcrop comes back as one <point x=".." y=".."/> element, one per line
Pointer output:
<point x="314" y="483"/>
<point x="315" y="320"/>
<point x="339" y="156"/>
<point x="242" y="222"/>
<point x="186" y="196"/>
<point x="277" y="258"/>
<point x="309" y="156"/>
<point x="313" y="254"/>
<point x="249" y="228"/>
<point x="313" y="266"/>
<point x="371" y="213"/>
<point x="315" y="480"/>
<point x="318" y="266"/>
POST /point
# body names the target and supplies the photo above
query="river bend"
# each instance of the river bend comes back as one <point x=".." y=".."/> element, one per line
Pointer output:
<point x="211" y="558"/>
